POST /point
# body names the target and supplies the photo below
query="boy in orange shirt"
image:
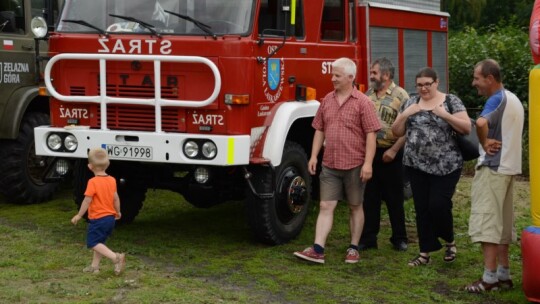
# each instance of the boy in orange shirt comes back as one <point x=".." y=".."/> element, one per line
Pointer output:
<point x="103" y="205"/>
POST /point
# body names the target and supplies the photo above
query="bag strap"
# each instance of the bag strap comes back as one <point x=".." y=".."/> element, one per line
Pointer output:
<point x="449" y="104"/>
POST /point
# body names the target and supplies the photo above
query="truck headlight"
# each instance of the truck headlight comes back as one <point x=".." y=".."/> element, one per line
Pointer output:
<point x="201" y="175"/>
<point x="39" y="27"/>
<point x="209" y="150"/>
<point x="71" y="143"/>
<point x="54" y="142"/>
<point x="62" y="167"/>
<point x="191" y="149"/>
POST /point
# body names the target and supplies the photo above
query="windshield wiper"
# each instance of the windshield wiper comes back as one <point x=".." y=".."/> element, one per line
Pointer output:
<point x="82" y="22"/>
<point x="3" y="25"/>
<point x="144" y="24"/>
<point x="204" y="27"/>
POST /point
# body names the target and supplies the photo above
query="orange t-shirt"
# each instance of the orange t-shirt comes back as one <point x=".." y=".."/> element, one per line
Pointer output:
<point x="102" y="190"/>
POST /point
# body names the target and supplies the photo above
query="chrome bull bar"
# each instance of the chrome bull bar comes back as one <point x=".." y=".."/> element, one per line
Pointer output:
<point x="157" y="102"/>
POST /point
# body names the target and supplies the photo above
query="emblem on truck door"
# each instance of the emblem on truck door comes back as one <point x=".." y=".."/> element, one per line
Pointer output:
<point x="273" y="74"/>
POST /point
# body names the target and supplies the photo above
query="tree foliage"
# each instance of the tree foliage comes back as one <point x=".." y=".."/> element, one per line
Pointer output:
<point x="508" y="45"/>
<point x="483" y="13"/>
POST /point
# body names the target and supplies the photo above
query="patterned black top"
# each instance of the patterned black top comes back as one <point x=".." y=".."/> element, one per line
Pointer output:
<point x="430" y="146"/>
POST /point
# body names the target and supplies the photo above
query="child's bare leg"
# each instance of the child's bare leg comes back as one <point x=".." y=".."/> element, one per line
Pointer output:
<point x="119" y="259"/>
<point x="96" y="259"/>
<point x="103" y="250"/>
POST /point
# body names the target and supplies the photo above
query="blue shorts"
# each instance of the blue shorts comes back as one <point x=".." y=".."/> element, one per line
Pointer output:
<point x="99" y="230"/>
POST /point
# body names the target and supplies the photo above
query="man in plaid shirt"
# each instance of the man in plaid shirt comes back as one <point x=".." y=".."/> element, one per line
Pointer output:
<point x="347" y="124"/>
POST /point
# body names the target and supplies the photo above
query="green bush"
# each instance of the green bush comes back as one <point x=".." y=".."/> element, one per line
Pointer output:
<point x="509" y="45"/>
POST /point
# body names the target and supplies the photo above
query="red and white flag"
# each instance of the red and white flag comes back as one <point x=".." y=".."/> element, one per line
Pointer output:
<point x="8" y="45"/>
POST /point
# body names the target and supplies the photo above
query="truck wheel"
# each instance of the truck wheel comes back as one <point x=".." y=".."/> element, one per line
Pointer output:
<point x="22" y="170"/>
<point x="132" y="195"/>
<point x="281" y="218"/>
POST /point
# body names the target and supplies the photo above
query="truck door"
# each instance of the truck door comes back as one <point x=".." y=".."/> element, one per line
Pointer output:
<point x="16" y="41"/>
<point x="316" y="33"/>
<point x="336" y="38"/>
<point x="280" y="27"/>
<point x="17" y="63"/>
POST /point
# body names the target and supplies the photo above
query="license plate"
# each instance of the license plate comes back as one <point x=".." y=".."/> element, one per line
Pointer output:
<point x="130" y="152"/>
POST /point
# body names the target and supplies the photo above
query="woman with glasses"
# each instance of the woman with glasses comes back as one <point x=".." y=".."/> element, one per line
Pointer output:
<point x="433" y="161"/>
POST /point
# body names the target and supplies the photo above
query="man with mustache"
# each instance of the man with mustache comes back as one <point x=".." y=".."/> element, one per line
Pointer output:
<point x="387" y="181"/>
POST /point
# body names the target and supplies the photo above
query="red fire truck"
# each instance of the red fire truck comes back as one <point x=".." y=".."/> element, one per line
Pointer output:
<point x="214" y="99"/>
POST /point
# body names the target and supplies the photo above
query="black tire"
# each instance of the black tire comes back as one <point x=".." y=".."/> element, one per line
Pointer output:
<point x="280" y="219"/>
<point x="21" y="181"/>
<point x="132" y="194"/>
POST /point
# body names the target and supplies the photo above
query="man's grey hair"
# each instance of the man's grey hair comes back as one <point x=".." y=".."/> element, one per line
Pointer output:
<point x="348" y="66"/>
<point x="385" y="66"/>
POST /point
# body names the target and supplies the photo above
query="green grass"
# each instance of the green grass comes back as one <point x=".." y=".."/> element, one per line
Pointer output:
<point x="179" y="254"/>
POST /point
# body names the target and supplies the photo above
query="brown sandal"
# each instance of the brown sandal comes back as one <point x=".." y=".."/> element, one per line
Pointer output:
<point x="506" y="284"/>
<point x="419" y="260"/>
<point x="450" y="253"/>
<point x="480" y="286"/>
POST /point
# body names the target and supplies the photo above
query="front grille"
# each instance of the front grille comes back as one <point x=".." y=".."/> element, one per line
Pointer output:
<point x="142" y="118"/>
<point x="115" y="90"/>
<point x="77" y="91"/>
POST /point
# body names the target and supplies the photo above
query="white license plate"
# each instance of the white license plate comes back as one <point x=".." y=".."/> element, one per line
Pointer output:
<point x="130" y="152"/>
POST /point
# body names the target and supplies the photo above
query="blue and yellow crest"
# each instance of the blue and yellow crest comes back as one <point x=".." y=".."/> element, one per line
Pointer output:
<point x="274" y="73"/>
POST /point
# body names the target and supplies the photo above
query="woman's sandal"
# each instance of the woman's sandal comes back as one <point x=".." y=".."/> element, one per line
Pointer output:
<point x="419" y="260"/>
<point x="450" y="253"/>
<point x="480" y="286"/>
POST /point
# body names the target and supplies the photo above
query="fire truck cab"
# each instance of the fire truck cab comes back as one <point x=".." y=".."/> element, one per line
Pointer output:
<point x="214" y="99"/>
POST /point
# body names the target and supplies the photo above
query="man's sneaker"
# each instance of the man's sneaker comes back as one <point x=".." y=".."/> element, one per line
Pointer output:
<point x="352" y="256"/>
<point x="120" y="263"/>
<point x="309" y="254"/>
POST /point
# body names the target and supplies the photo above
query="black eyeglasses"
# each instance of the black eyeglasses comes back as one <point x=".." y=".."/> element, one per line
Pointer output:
<point x="426" y="85"/>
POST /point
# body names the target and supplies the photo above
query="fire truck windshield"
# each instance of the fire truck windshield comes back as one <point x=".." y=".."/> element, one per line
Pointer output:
<point x="231" y="17"/>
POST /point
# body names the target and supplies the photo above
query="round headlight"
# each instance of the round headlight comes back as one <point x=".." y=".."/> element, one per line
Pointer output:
<point x="39" y="27"/>
<point x="54" y="142"/>
<point x="209" y="149"/>
<point x="201" y="175"/>
<point x="191" y="149"/>
<point x="71" y="143"/>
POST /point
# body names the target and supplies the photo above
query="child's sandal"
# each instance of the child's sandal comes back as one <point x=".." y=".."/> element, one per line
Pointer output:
<point x="91" y="269"/>
<point x="480" y="286"/>
<point x="450" y="253"/>
<point x="419" y="260"/>
<point x="120" y="263"/>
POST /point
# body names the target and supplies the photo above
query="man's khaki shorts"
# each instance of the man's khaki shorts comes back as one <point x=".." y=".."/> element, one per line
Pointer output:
<point x="492" y="208"/>
<point x="334" y="183"/>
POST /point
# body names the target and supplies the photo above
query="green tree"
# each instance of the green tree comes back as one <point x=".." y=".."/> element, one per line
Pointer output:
<point x="509" y="45"/>
<point x="463" y="12"/>
<point x="482" y="14"/>
<point x="519" y="11"/>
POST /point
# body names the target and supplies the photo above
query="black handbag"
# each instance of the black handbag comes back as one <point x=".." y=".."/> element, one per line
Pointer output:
<point x="468" y="144"/>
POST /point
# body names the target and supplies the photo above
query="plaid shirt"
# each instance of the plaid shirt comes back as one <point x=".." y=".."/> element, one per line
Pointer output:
<point x="345" y="128"/>
<point x="388" y="109"/>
